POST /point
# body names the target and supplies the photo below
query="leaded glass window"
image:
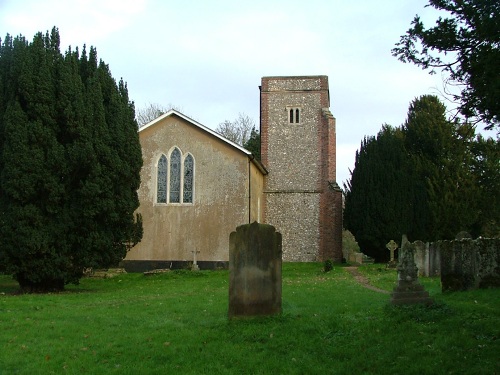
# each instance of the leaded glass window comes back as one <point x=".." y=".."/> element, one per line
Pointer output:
<point x="188" y="179"/>
<point x="175" y="176"/>
<point x="161" y="191"/>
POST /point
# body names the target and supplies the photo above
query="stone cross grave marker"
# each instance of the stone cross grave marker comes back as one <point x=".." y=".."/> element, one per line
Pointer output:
<point x="392" y="246"/>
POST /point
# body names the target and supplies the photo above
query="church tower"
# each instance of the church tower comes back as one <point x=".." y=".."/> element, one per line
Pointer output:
<point x="301" y="197"/>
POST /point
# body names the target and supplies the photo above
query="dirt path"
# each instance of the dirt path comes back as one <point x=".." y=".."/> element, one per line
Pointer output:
<point x="363" y="280"/>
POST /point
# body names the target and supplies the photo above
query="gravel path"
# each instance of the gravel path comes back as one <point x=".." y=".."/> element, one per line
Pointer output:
<point x="363" y="280"/>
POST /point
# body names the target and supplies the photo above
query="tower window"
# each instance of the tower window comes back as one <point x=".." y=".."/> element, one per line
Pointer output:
<point x="293" y="115"/>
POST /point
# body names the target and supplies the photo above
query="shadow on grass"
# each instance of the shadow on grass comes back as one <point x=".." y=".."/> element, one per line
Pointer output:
<point x="10" y="287"/>
<point x="419" y="313"/>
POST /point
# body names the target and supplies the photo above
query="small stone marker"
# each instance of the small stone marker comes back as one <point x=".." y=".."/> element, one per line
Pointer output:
<point x="254" y="271"/>
<point x="195" y="265"/>
<point x="408" y="290"/>
<point x="392" y="246"/>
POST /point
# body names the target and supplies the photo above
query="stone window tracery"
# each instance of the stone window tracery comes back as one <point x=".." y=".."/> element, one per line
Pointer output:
<point x="161" y="192"/>
<point x="188" y="180"/>
<point x="175" y="178"/>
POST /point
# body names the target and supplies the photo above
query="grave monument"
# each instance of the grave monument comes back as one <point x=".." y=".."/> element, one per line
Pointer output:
<point x="254" y="271"/>
<point x="409" y="290"/>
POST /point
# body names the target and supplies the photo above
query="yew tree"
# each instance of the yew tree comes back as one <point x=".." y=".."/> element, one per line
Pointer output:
<point x="430" y="179"/>
<point x="440" y="150"/>
<point x="69" y="163"/>
<point x="465" y="45"/>
<point x="380" y="185"/>
<point x="253" y="144"/>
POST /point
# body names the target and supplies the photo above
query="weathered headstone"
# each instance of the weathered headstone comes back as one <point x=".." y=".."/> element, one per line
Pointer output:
<point x="408" y="290"/>
<point x="254" y="271"/>
<point x="392" y="246"/>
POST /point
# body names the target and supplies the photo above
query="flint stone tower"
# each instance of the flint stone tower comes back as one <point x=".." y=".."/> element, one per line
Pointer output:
<point x="298" y="147"/>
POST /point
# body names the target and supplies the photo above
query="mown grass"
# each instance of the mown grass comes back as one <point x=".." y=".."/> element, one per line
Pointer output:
<point x="177" y="323"/>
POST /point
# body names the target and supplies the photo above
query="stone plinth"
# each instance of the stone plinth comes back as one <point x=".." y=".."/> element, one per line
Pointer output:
<point x="254" y="271"/>
<point x="409" y="290"/>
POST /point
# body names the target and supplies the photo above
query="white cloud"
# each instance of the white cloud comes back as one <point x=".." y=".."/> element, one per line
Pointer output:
<point x="79" y="21"/>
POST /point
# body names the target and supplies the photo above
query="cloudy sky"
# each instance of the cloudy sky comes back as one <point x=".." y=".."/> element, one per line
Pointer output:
<point x="207" y="57"/>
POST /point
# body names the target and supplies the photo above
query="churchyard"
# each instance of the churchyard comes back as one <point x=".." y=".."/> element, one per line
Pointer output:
<point x="177" y="323"/>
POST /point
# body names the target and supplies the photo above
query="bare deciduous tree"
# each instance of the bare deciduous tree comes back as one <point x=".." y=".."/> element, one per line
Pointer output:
<point x="151" y="112"/>
<point x="238" y="130"/>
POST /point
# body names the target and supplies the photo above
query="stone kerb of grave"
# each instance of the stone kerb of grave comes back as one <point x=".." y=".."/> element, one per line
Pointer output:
<point x="254" y="271"/>
<point x="409" y="290"/>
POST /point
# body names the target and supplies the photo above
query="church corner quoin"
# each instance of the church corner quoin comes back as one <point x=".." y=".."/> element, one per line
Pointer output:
<point x="190" y="209"/>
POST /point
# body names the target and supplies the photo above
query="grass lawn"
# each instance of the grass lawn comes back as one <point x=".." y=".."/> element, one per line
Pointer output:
<point x="176" y="323"/>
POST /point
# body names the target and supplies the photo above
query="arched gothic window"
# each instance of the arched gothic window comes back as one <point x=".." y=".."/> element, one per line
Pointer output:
<point x="175" y="176"/>
<point x="161" y="191"/>
<point x="188" y="180"/>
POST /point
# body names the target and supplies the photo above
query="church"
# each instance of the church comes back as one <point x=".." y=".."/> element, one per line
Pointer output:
<point x="197" y="186"/>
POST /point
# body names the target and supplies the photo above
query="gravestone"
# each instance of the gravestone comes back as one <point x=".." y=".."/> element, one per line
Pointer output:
<point x="409" y="290"/>
<point x="254" y="271"/>
<point x="392" y="246"/>
<point x="195" y="267"/>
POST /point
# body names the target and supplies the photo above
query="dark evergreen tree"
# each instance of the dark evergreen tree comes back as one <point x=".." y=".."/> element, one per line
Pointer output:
<point x="69" y="164"/>
<point x="428" y="179"/>
<point x="466" y="46"/>
<point x="441" y="158"/>
<point x="380" y="186"/>
<point x="253" y="143"/>
<point x="486" y="169"/>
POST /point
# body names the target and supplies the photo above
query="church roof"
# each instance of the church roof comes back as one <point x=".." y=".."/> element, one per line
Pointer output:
<point x="205" y="129"/>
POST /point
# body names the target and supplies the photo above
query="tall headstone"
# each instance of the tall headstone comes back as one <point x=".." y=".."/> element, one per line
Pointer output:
<point x="409" y="290"/>
<point x="254" y="271"/>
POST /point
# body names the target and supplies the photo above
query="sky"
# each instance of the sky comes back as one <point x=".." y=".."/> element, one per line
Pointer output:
<point x="206" y="58"/>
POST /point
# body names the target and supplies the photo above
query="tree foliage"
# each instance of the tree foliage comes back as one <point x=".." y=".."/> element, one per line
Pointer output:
<point x="253" y="143"/>
<point x="429" y="179"/>
<point x="466" y="46"/>
<point x="380" y="185"/>
<point x="441" y="158"/>
<point x="69" y="163"/>
<point x="486" y="169"/>
<point x="238" y="130"/>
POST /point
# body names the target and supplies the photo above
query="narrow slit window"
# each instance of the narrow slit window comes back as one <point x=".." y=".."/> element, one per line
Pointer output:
<point x="293" y="114"/>
<point x="175" y="176"/>
<point x="161" y="191"/>
<point x="188" y="180"/>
